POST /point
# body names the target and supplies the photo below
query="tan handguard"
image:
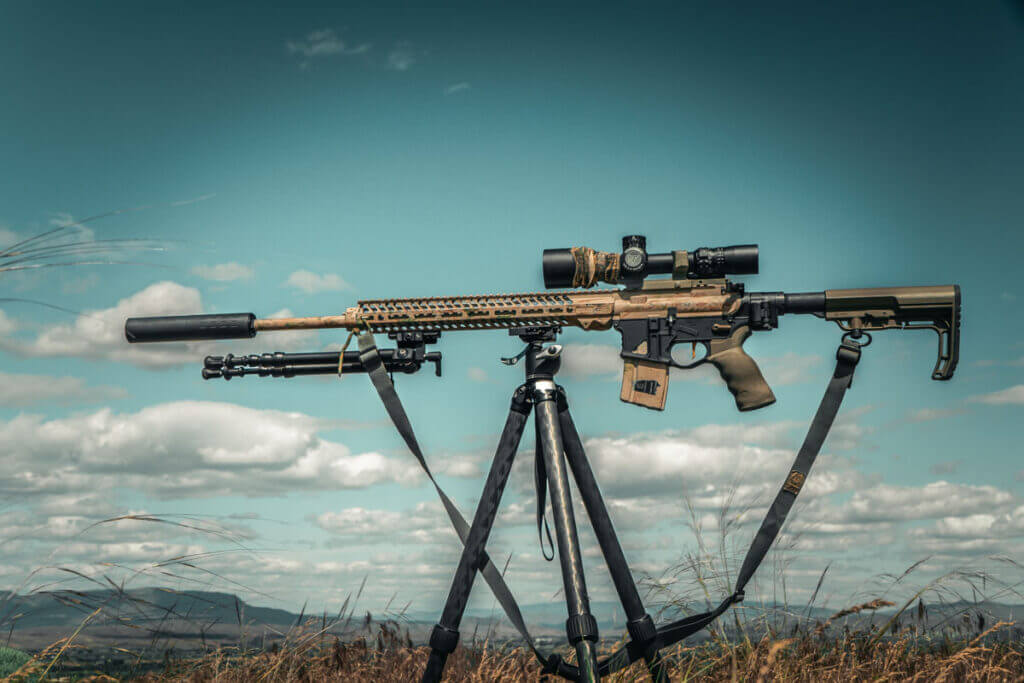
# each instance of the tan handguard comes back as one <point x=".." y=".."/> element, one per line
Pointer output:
<point x="740" y="372"/>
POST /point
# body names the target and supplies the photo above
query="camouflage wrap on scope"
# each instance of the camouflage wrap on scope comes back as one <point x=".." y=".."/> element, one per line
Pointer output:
<point x="594" y="266"/>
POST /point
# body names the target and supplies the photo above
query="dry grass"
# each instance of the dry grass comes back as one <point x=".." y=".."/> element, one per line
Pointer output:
<point x="388" y="655"/>
<point x="752" y="643"/>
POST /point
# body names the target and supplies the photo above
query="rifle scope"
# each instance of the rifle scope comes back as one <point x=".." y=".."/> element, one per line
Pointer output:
<point x="585" y="267"/>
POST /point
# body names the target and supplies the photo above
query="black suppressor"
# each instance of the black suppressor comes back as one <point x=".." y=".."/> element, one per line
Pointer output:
<point x="585" y="267"/>
<point x="190" y="327"/>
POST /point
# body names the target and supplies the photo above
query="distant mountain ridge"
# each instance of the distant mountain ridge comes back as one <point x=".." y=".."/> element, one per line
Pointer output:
<point x="187" y="620"/>
<point x="63" y="608"/>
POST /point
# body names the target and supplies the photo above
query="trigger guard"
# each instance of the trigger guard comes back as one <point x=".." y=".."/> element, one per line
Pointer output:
<point x="700" y="361"/>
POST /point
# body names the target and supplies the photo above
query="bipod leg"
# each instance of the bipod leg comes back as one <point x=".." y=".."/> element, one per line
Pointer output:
<point x="581" y="627"/>
<point x="445" y="635"/>
<point x="640" y="625"/>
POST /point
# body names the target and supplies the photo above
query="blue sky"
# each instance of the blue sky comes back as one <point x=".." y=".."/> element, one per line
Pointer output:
<point x="303" y="159"/>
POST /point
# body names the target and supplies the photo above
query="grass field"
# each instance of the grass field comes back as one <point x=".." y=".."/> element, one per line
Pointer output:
<point x="825" y="652"/>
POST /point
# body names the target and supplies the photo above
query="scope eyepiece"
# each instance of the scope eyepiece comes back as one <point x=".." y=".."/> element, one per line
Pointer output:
<point x="737" y="260"/>
<point x="585" y="267"/>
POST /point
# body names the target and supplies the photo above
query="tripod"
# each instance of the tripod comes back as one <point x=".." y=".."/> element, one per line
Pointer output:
<point x="558" y="444"/>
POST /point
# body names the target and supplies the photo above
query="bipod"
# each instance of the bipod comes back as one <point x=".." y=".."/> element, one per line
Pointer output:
<point x="408" y="356"/>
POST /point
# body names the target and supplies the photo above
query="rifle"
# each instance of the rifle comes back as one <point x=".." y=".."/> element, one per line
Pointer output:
<point x="696" y="305"/>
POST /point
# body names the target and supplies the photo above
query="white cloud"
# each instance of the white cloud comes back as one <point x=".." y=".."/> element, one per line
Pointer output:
<point x="1011" y="396"/>
<point x="586" y="360"/>
<point x="224" y="272"/>
<point x="934" y="500"/>
<point x="457" y="87"/>
<point x="312" y="283"/>
<point x="324" y="43"/>
<point x="426" y="523"/>
<point x="706" y="470"/>
<point x="99" y="334"/>
<point x="187" y="449"/>
<point x="402" y="56"/>
<point x="18" y="390"/>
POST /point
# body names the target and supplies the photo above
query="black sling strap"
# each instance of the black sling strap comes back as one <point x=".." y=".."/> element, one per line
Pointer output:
<point x="847" y="357"/>
<point x="371" y="360"/>
<point x="540" y="484"/>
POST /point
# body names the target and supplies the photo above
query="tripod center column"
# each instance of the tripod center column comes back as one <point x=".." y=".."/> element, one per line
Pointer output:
<point x="581" y="627"/>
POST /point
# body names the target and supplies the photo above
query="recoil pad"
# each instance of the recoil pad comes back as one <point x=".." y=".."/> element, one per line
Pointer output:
<point x="581" y="627"/>
<point x="443" y="639"/>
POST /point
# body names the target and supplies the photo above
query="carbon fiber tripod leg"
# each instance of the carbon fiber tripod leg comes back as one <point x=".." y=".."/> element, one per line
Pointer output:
<point x="581" y="627"/>
<point x="640" y="625"/>
<point x="445" y="635"/>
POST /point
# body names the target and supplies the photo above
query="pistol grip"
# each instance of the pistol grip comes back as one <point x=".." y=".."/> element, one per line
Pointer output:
<point x="740" y="372"/>
<point x="644" y="383"/>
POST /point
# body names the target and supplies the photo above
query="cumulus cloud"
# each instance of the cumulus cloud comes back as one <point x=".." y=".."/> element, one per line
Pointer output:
<point x="99" y="334"/>
<point x="312" y="283"/>
<point x="187" y="449"/>
<point x="20" y="390"/>
<point x="426" y="523"/>
<point x="1011" y="396"/>
<point x="324" y="42"/>
<point x="224" y="272"/>
<point x="710" y="464"/>
<point x="932" y="501"/>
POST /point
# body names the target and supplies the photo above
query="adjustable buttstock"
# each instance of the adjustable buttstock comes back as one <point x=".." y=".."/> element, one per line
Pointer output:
<point x="644" y="383"/>
<point x="909" y="308"/>
<point x="740" y="372"/>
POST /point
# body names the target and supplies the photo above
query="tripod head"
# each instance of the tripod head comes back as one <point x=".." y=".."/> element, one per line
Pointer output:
<point x="542" y="362"/>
